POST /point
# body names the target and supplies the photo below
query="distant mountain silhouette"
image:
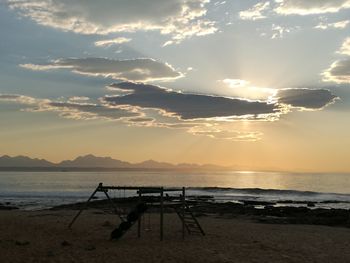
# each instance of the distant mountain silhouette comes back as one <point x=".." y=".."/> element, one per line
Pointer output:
<point x="90" y="161"/>
<point x="154" y="164"/>
<point x="23" y="161"/>
<point x="94" y="161"/>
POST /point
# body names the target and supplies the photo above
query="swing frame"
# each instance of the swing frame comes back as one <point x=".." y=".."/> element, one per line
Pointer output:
<point x="140" y="190"/>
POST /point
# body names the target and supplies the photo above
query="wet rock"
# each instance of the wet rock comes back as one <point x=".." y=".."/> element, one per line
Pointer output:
<point x="252" y="202"/>
<point x="7" y="207"/>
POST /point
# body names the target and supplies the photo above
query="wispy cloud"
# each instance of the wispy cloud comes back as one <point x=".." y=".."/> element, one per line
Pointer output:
<point x="339" y="71"/>
<point x="310" y="7"/>
<point x="79" y="98"/>
<point x="72" y="109"/>
<point x="255" y="12"/>
<point x="267" y="9"/>
<point x="218" y="132"/>
<point x="142" y="69"/>
<point x="21" y="99"/>
<point x="345" y="48"/>
<point x="336" y="25"/>
<point x="180" y="19"/>
<point x="235" y="83"/>
<point x="279" y="31"/>
<point x="110" y="42"/>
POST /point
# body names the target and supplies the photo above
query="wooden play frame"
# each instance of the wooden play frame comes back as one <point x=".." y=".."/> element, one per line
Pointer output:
<point x="149" y="190"/>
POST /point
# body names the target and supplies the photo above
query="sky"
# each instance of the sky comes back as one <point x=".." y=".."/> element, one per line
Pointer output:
<point x="257" y="85"/>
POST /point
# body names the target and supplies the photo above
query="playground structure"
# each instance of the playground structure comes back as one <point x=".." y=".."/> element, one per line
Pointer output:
<point x="181" y="207"/>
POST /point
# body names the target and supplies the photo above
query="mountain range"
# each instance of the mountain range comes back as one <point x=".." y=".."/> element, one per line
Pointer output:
<point x="93" y="162"/>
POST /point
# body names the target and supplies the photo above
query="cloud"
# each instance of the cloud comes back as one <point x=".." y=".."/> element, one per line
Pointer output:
<point x="244" y="89"/>
<point x="235" y="83"/>
<point x="345" y="48"/>
<point x="71" y="109"/>
<point x="21" y="99"/>
<point x="200" y="115"/>
<point x="180" y="19"/>
<point x="301" y="98"/>
<point x="279" y="31"/>
<point x="306" y="99"/>
<point x="336" y="25"/>
<point x="255" y="12"/>
<point x="79" y="98"/>
<point x="126" y="115"/>
<point x="187" y="106"/>
<point x="220" y="133"/>
<point x="310" y="7"/>
<point x="141" y="69"/>
<point x="87" y="111"/>
<point x="338" y="72"/>
<point x="110" y="42"/>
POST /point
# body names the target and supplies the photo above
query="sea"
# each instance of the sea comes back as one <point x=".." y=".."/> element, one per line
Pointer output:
<point x="41" y="190"/>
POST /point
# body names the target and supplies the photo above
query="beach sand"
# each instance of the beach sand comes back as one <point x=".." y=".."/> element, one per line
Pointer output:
<point x="43" y="236"/>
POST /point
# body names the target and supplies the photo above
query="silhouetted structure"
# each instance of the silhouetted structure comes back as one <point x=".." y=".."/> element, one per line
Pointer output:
<point x="189" y="221"/>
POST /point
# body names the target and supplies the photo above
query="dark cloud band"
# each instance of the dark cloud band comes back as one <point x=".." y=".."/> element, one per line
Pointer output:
<point x="187" y="106"/>
<point x="312" y="99"/>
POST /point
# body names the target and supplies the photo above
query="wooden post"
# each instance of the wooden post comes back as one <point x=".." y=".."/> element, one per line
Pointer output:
<point x="85" y="206"/>
<point x="161" y="212"/>
<point x="139" y="218"/>
<point x="183" y="211"/>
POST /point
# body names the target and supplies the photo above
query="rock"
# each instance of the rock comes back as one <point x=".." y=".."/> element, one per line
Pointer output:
<point x="65" y="243"/>
<point x="50" y="254"/>
<point x="7" y="207"/>
<point x="90" y="247"/>
<point x="252" y="202"/>
<point x="22" y="242"/>
<point x="311" y="204"/>
<point x="107" y="224"/>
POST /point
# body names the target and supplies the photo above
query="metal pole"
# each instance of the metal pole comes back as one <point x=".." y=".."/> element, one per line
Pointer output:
<point x="85" y="206"/>
<point x="183" y="211"/>
<point x="161" y="212"/>
<point x="139" y="219"/>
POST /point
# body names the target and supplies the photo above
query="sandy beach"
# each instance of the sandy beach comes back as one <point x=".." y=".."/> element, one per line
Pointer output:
<point x="43" y="236"/>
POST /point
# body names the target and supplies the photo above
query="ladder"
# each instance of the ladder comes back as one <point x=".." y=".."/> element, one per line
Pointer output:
<point x="191" y="223"/>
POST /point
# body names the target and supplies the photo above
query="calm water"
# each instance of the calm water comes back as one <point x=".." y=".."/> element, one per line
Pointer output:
<point x="32" y="190"/>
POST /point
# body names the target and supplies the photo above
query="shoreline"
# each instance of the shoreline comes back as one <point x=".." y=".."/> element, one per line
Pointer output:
<point x="259" y="211"/>
<point x="258" y="197"/>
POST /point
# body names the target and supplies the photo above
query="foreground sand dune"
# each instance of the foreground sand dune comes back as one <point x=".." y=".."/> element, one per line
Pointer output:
<point x="43" y="236"/>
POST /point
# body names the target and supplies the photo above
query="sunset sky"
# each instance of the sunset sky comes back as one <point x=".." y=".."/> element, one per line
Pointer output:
<point x="255" y="84"/>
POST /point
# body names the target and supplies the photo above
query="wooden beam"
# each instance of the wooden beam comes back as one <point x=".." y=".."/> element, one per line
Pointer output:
<point x="183" y="211"/>
<point x="139" y="219"/>
<point x="84" y="207"/>
<point x="161" y="213"/>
